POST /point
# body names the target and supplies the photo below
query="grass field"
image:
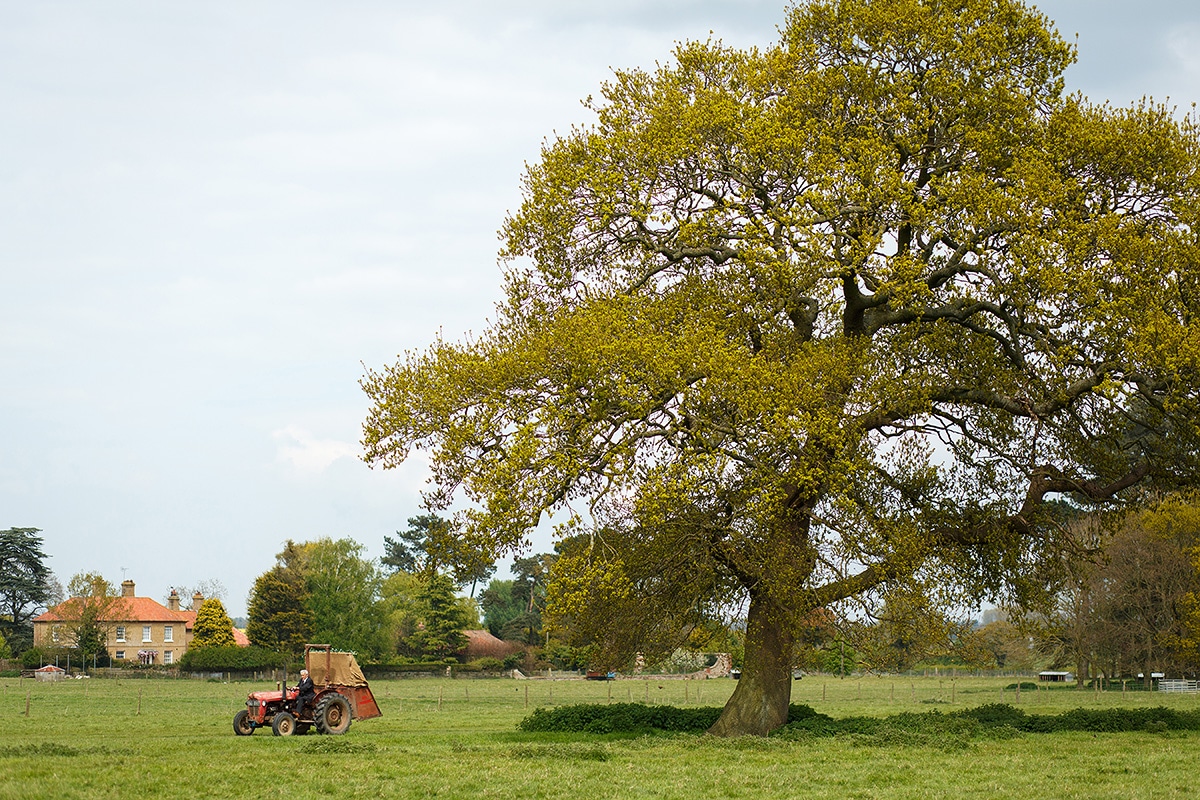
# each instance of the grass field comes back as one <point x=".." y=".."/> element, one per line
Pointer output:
<point x="457" y="739"/>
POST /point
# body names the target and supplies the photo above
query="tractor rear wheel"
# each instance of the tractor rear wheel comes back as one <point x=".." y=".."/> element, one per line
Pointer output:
<point x="241" y="723"/>
<point x="332" y="714"/>
<point x="284" y="724"/>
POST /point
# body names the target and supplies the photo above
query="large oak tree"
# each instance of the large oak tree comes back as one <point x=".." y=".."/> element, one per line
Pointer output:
<point x="822" y="321"/>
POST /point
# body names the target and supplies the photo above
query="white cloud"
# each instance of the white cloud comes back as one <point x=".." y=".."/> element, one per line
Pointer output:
<point x="307" y="454"/>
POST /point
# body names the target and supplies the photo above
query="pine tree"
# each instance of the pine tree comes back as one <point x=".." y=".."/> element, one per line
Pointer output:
<point x="442" y="635"/>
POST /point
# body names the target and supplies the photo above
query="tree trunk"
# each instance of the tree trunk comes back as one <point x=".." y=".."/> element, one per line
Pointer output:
<point x="760" y="702"/>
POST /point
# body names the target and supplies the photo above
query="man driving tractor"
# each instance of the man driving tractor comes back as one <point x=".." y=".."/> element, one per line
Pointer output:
<point x="306" y="693"/>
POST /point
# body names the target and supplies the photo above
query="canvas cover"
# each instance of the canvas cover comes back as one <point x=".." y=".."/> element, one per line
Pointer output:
<point x="342" y="670"/>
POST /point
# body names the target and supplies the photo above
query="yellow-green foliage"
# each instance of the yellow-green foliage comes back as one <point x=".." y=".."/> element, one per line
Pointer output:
<point x="213" y="627"/>
<point x="824" y="320"/>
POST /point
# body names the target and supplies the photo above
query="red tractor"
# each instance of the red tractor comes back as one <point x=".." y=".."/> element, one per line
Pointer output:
<point x="342" y="695"/>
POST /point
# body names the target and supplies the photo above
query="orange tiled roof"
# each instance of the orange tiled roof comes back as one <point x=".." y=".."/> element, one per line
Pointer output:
<point x="239" y="638"/>
<point x="131" y="609"/>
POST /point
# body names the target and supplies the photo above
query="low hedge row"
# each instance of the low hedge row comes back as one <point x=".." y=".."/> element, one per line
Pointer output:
<point x="231" y="658"/>
<point x="803" y="721"/>
<point x="1001" y="716"/>
<point x="630" y="718"/>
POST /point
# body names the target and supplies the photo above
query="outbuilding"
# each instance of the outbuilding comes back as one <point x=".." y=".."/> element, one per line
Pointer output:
<point x="50" y="673"/>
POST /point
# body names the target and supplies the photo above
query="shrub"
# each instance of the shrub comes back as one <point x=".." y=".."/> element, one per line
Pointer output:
<point x="32" y="658"/>
<point x="1025" y="686"/>
<point x="994" y="714"/>
<point x="633" y="718"/>
<point x="231" y="658"/>
<point x="619" y="718"/>
<point x="995" y="720"/>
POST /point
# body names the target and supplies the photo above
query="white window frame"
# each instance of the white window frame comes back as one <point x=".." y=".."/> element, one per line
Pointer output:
<point x="168" y="656"/>
<point x="146" y="634"/>
<point x="121" y="633"/>
<point x="168" y="633"/>
<point x="120" y="655"/>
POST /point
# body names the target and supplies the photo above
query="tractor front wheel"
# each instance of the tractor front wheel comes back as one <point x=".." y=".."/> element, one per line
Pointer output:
<point x="284" y="724"/>
<point x="241" y="723"/>
<point x="332" y="714"/>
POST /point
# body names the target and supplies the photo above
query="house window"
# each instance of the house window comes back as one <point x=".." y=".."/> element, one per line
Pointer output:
<point x="54" y="635"/>
<point x="169" y="655"/>
<point x="120" y="655"/>
<point x="168" y="633"/>
<point x="120" y="633"/>
<point x="145" y="633"/>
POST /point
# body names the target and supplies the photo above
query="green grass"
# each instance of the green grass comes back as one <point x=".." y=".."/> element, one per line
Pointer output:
<point x="86" y="739"/>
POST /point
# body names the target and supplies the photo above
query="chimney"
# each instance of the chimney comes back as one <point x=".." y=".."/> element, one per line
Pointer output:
<point x="127" y="589"/>
<point x="173" y="601"/>
<point x="197" y="601"/>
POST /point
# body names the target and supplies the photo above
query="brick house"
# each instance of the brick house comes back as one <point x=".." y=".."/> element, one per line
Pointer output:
<point x="142" y="629"/>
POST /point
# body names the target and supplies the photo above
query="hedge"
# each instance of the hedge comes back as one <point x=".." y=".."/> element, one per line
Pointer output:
<point x="913" y="727"/>
<point x="231" y="658"/>
<point x="1002" y="717"/>
<point x="630" y="718"/>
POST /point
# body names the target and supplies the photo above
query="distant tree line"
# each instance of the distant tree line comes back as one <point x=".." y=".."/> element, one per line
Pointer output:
<point x="1128" y="606"/>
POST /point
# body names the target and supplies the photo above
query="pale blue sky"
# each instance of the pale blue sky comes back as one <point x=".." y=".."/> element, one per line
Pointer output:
<point x="212" y="214"/>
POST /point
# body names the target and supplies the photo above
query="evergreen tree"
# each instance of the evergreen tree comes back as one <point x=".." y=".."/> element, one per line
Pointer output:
<point x="25" y="583"/>
<point x="442" y="633"/>
<point x="213" y="626"/>
<point x="280" y="616"/>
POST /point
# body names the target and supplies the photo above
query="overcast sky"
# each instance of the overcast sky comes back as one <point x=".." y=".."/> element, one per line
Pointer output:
<point x="213" y="214"/>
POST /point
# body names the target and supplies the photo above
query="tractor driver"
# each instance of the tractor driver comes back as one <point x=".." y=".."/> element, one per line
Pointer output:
<point x="306" y="692"/>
